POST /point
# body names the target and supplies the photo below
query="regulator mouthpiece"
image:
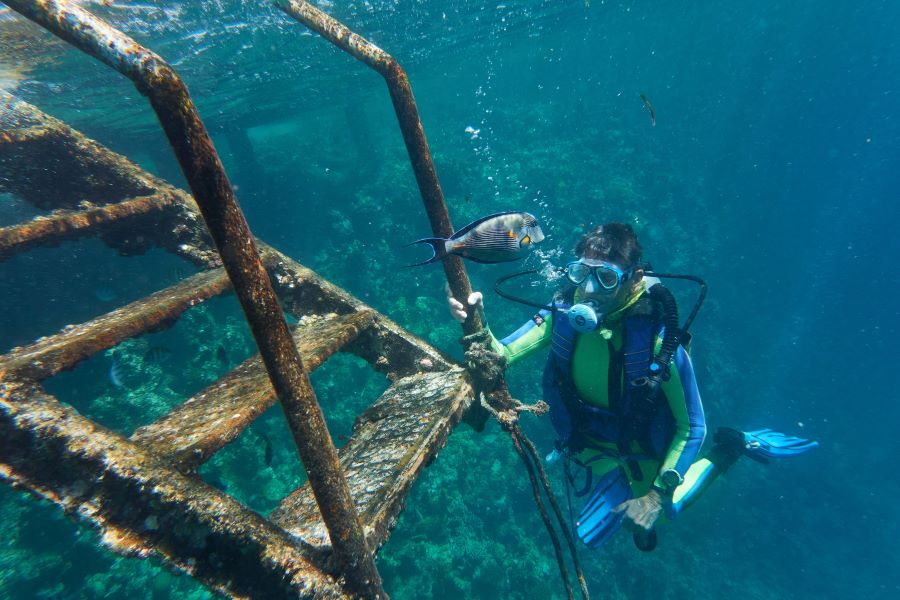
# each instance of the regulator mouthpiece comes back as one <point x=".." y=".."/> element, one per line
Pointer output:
<point x="583" y="317"/>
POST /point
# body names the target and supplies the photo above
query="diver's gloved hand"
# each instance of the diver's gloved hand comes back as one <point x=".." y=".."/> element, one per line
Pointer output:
<point x="457" y="310"/>
<point x="641" y="513"/>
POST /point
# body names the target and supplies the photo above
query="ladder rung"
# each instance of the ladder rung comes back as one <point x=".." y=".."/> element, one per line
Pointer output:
<point x="141" y="505"/>
<point x="64" y="225"/>
<point x="50" y="355"/>
<point x="50" y="165"/>
<point x="191" y="433"/>
<point x="392" y="442"/>
<point x="387" y="346"/>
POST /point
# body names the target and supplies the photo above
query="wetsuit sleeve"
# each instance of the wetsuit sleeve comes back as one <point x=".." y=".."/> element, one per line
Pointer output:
<point x="527" y="339"/>
<point x="690" y="423"/>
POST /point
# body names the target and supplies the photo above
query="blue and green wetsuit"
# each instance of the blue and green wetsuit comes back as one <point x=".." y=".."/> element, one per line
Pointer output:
<point x="588" y="404"/>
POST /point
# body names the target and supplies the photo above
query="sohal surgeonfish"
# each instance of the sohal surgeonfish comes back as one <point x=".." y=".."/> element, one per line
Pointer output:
<point x="497" y="238"/>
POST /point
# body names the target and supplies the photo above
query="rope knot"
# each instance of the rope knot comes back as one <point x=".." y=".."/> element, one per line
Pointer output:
<point x="484" y="365"/>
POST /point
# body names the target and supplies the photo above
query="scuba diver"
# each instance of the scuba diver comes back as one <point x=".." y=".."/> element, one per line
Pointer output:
<point x="622" y="393"/>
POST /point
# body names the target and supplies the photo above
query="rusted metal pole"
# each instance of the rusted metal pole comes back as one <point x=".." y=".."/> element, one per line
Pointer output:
<point x="411" y="126"/>
<point x="203" y="170"/>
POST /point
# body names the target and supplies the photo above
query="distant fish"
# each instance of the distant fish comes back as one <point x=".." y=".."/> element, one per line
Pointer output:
<point x="58" y="593"/>
<point x="267" y="452"/>
<point x="157" y="354"/>
<point x="650" y="108"/>
<point x="222" y="356"/>
<point x="117" y="374"/>
<point x="217" y="482"/>
<point x="500" y="237"/>
<point x="104" y="294"/>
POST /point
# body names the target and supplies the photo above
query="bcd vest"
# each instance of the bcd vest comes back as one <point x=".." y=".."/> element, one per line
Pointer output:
<point x="636" y="413"/>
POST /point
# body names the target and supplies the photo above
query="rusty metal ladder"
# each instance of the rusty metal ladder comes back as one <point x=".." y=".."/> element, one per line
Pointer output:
<point x="142" y="492"/>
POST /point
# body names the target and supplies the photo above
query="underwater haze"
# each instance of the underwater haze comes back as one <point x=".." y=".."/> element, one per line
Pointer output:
<point x="771" y="169"/>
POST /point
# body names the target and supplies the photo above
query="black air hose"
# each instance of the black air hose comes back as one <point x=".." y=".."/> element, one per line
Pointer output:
<point x="660" y="366"/>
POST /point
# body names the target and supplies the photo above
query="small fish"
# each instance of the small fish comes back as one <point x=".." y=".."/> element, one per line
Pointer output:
<point x="117" y="374"/>
<point x="157" y="354"/>
<point x="222" y="356"/>
<point x="104" y="294"/>
<point x="267" y="451"/>
<point x="58" y="592"/>
<point x="217" y="482"/>
<point x="500" y="237"/>
<point x="650" y="108"/>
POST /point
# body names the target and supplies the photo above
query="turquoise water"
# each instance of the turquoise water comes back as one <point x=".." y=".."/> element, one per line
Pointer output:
<point x="772" y="172"/>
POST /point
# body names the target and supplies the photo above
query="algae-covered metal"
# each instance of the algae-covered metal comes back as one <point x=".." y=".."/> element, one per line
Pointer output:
<point x="392" y="442"/>
<point x="50" y="355"/>
<point x="391" y="445"/>
<point x="67" y="224"/>
<point x="191" y="433"/>
<point x="139" y="492"/>
<point x="140" y="505"/>
<point x="211" y="189"/>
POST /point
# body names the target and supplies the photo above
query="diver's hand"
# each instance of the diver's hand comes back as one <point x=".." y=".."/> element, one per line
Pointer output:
<point x="457" y="310"/>
<point x="641" y="513"/>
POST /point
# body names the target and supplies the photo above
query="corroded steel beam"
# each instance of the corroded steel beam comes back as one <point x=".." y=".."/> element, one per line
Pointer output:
<point x="50" y="355"/>
<point x="53" y="229"/>
<point x="42" y="152"/>
<point x="191" y="433"/>
<point x="51" y="166"/>
<point x="387" y="346"/>
<point x="410" y="125"/>
<point x="141" y="506"/>
<point x="392" y="442"/>
<point x="203" y="170"/>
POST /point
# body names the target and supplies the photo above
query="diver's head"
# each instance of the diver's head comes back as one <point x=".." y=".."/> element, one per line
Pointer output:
<point x="608" y="270"/>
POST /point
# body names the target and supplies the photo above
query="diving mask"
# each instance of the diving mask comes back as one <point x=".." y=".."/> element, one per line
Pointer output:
<point x="607" y="274"/>
<point x="586" y="315"/>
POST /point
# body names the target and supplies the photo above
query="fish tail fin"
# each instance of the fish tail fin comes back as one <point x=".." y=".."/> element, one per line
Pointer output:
<point x="438" y="245"/>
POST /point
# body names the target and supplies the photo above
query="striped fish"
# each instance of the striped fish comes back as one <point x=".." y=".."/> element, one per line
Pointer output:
<point x="497" y="238"/>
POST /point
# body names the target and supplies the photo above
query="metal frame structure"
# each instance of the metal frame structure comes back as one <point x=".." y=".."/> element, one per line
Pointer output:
<point x="142" y="491"/>
<point x="151" y="499"/>
<point x="215" y="199"/>
<point x="486" y="368"/>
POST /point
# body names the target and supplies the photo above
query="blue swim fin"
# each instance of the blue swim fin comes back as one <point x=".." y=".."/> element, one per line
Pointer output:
<point x="764" y="444"/>
<point x="597" y="521"/>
